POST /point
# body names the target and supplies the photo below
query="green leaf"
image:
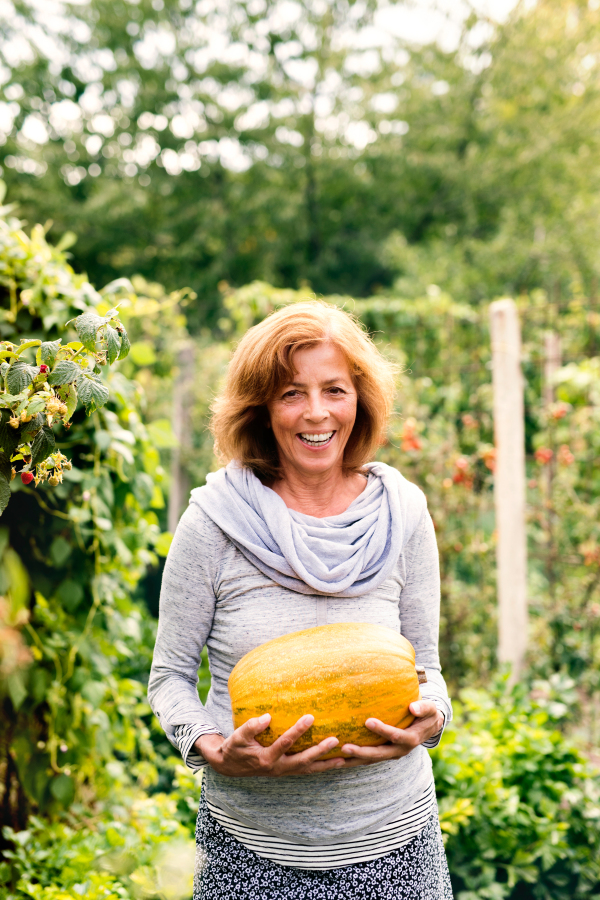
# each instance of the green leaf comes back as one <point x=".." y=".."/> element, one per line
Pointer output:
<point x="68" y="394"/>
<point x="4" y="367"/>
<point x="161" y="434"/>
<point x="30" y="429"/>
<point x="118" y="286"/>
<point x="16" y="689"/>
<point x="4" y="493"/>
<point x="67" y="240"/>
<point x="62" y="789"/>
<point x="5" y="466"/>
<point x="36" y="405"/>
<point x="25" y="346"/>
<point x="7" y="400"/>
<point x="125" y="345"/>
<point x="143" y="489"/>
<point x="113" y="344"/>
<point x="92" y="392"/>
<point x="87" y="326"/>
<point x="19" y="376"/>
<point x="64" y="372"/>
<point x="48" y="351"/>
<point x="143" y="353"/>
<point x="10" y="438"/>
<point x="43" y="445"/>
<point x="163" y="542"/>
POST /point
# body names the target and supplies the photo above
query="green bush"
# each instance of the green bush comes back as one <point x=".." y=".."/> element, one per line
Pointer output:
<point x="519" y="804"/>
<point x="75" y="642"/>
<point x="137" y="848"/>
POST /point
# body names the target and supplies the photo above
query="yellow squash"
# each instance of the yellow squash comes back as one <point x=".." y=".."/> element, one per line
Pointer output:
<point x="343" y="674"/>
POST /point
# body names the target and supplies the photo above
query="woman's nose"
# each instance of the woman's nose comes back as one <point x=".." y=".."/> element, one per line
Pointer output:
<point x="315" y="409"/>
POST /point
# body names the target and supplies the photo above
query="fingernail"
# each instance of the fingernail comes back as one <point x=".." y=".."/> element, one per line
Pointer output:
<point x="348" y="751"/>
<point x="332" y="742"/>
<point x="264" y="719"/>
<point x="416" y="708"/>
<point x="308" y="720"/>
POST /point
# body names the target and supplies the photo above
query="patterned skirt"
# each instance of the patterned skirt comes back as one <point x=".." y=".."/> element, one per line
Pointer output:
<point x="226" y="870"/>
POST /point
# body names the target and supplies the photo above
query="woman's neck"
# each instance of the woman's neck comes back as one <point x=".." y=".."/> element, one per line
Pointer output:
<point x="322" y="495"/>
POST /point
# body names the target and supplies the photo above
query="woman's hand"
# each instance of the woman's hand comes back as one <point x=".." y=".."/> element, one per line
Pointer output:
<point x="240" y="755"/>
<point x="401" y="741"/>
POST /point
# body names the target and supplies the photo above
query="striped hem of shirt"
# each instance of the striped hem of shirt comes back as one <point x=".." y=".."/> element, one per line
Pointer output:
<point x="186" y="736"/>
<point x="332" y="856"/>
<point x="434" y="740"/>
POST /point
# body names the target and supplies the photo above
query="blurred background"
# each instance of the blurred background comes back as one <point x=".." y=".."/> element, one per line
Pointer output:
<point x="201" y="164"/>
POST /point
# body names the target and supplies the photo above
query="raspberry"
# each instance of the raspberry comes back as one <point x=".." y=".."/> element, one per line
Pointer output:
<point x="26" y="477"/>
<point x="44" y="369"/>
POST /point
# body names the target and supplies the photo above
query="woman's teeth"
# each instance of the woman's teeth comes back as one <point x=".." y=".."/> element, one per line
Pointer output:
<point x="315" y="439"/>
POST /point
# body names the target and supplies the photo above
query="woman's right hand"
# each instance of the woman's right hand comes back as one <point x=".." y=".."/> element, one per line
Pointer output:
<point x="240" y="755"/>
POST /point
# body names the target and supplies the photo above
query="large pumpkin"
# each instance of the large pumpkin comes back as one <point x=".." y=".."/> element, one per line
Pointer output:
<point x="342" y="674"/>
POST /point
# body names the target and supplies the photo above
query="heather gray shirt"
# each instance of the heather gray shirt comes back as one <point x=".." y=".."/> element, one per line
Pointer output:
<point x="213" y="595"/>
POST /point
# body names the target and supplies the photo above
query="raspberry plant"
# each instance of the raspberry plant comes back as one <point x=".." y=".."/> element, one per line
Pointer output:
<point x="35" y="397"/>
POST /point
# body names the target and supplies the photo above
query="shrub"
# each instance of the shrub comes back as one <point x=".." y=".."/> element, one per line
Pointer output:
<point x="519" y="804"/>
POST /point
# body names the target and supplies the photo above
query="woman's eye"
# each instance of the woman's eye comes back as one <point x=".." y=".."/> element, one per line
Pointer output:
<point x="290" y="395"/>
<point x="336" y="390"/>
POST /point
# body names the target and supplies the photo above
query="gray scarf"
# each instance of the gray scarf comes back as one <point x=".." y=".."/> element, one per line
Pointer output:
<point x="346" y="555"/>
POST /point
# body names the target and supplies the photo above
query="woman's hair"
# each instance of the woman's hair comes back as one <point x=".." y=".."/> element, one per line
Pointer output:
<point x="263" y="362"/>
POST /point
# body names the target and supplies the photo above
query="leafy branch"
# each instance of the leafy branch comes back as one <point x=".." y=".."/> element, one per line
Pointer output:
<point x="33" y="398"/>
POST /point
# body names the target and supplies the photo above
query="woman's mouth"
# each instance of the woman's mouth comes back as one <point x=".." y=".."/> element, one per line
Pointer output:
<point x="309" y="439"/>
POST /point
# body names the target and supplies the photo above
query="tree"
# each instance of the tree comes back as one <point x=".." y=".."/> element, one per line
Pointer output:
<point x="251" y="140"/>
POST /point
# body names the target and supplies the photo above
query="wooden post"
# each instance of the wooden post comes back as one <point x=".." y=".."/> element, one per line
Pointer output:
<point x="509" y="484"/>
<point x="181" y="429"/>
<point x="552" y="362"/>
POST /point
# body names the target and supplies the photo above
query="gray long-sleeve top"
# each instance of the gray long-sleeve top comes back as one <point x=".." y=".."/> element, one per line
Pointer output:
<point x="212" y="595"/>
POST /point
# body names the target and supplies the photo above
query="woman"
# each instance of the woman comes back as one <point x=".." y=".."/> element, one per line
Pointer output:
<point x="299" y="531"/>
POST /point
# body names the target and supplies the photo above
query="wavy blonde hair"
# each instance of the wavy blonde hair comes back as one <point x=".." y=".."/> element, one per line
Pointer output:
<point x="263" y="362"/>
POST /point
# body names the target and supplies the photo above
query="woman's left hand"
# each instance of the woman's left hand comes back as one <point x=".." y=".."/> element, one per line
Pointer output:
<point x="400" y="741"/>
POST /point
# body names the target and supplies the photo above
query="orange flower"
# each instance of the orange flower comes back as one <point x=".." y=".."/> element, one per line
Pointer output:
<point x="410" y="439"/>
<point x="469" y="421"/>
<point x="489" y="458"/>
<point x="462" y="474"/>
<point x="543" y="455"/>
<point x="559" y="410"/>
<point x="565" y="457"/>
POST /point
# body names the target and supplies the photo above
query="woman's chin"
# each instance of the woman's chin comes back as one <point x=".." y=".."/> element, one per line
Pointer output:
<point x="311" y="463"/>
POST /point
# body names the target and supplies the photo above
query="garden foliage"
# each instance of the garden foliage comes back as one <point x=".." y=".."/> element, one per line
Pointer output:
<point x="37" y="392"/>
<point x="80" y="750"/>
<point x="75" y="645"/>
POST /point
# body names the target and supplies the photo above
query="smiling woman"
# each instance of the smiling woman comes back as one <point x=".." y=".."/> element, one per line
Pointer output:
<point x="276" y="358"/>
<point x="302" y="529"/>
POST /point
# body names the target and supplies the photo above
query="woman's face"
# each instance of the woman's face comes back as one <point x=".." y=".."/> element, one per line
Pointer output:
<point x="312" y="417"/>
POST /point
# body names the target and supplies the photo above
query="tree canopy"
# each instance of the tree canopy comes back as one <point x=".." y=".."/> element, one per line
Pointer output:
<point x="208" y="143"/>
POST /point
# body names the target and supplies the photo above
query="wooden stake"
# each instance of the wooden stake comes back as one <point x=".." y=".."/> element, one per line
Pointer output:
<point x="552" y="362"/>
<point x="509" y="484"/>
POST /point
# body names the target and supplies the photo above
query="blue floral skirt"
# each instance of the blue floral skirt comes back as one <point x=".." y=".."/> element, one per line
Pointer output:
<point x="226" y="870"/>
